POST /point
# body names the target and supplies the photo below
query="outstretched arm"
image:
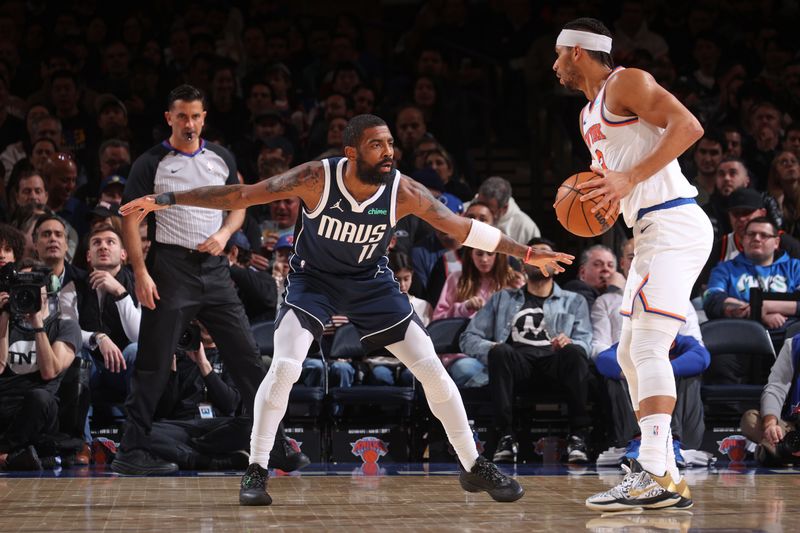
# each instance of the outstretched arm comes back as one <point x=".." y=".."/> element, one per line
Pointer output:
<point x="414" y="199"/>
<point x="305" y="181"/>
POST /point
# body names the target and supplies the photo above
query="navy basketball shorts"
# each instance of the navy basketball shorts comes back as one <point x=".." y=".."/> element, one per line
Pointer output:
<point x="371" y="301"/>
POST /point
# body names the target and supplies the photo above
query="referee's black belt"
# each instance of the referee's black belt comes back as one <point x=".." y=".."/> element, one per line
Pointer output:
<point x="181" y="251"/>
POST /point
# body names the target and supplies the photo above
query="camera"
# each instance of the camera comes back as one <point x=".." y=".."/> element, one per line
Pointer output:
<point x="190" y="339"/>
<point x="788" y="449"/>
<point x="24" y="288"/>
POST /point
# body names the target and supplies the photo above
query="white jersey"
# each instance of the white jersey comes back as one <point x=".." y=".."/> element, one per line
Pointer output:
<point x="619" y="143"/>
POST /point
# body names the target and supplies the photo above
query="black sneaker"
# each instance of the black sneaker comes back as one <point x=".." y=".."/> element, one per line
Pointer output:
<point x="485" y="476"/>
<point x="506" y="451"/>
<point x="25" y="459"/>
<point x="286" y="458"/>
<point x="141" y="463"/>
<point x="576" y="450"/>
<point x="236" y="461"/>
<point x="253" y="490"/>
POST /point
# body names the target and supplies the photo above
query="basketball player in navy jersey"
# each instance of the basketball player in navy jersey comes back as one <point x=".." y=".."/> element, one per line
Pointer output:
<point x="338" y="266"/>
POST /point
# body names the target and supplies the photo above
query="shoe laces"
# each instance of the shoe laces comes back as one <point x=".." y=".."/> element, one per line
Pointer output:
<point x="489" y="472"/>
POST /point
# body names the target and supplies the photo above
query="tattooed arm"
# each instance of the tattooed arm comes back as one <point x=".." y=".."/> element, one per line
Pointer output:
<point x="414" y="199"/>
<point x="305" y="181"/>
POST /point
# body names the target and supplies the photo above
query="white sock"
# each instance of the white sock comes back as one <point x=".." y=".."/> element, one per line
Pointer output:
<point x="672" y="464"/>
<point x="656" y="432"/>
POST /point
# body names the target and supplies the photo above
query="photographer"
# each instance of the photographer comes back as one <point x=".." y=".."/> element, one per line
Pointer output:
<point x="774" y="428"/>
<point x="256" y="288"/>
<point x="109" y="316"/>
<point x="36" y="347"/>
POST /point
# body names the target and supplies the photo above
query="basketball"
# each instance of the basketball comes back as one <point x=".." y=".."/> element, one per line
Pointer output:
<point x="577" y="216"/>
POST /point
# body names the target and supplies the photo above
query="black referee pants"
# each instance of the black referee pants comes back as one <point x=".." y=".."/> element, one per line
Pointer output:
<point x="190" y="285"/>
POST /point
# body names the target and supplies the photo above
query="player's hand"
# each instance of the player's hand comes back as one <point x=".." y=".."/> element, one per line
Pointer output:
<point x="105" y="281"/>
<point x="773" y="434"/>
<point x="146" y="290"/>
<point x="607" y="190"/>
<point x="559" y="341"/>
<point x="112" y="356"/>
<point x="141" y="207"/>
<point x="215" y="244"/>
<point x="547" y="261"/>
<point x="475" y="303"/>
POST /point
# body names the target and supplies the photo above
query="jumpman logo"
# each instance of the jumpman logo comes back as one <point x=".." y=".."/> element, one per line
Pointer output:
<point x="379" y="272"/>
<point x="337" y="206"/>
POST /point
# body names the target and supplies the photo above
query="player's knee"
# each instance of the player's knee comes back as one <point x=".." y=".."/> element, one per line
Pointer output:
<point x="283" y="373"/>
<point x="436" y="383"/>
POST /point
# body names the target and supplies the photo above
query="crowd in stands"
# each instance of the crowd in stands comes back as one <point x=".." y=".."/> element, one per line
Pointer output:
<point x="82" y="94"/>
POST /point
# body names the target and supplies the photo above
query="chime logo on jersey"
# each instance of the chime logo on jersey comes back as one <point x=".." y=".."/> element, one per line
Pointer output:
<point x="369" y="449"/>
<point x="335" y="229"/>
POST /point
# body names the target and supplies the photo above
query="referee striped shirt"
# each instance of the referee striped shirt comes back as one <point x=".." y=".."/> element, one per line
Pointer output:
<point x="164" y="168"/>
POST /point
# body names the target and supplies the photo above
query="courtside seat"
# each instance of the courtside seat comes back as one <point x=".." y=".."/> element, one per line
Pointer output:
<point x="748" y="344"/>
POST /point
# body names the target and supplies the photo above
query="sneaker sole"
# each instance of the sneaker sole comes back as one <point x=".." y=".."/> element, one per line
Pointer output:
<point x="469" y="487"/>
<point x="128" y="469"/>
<point x="634" y="504"/>
<point x="259" y="499"/>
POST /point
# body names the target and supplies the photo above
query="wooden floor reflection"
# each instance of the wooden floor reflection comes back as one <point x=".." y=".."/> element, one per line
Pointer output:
<point x="729" y="501"/>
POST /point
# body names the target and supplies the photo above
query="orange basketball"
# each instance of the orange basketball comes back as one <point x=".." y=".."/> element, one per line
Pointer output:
<point x="577" y="216"/>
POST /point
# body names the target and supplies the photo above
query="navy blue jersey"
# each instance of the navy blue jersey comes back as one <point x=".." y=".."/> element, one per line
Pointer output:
<point x="342" y="236"/>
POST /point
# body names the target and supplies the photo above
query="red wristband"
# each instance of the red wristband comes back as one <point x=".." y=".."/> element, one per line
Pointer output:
<point x="528" y="254"/>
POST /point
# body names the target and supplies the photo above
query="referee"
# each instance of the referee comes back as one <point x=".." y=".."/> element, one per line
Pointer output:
<point x="186" y="275"/>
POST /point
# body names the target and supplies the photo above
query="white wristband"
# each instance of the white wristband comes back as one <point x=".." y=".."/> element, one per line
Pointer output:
<point x="483" y="236"/>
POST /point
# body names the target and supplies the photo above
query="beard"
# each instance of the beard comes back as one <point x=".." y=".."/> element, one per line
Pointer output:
<point x="372" y="174"/>
<point x="534" y="274"/>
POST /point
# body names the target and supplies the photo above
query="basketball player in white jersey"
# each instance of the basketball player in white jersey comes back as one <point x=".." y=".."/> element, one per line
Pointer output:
<point x="635" y="130"/>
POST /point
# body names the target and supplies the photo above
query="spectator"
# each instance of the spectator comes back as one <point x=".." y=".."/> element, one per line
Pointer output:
<point x="595" y="274"/>
<point x="744" y="205"/>
<point x="400" y="264"/>
<point x="508" y="217"/>
<point x="791" y="142"/>
<point x="363" y="100"/>
<point x="259" y="98"/>
<point x="256" y="288"/>
<point x="109" y="316"/>
<point x="728" y="293"/>
<point x="114" y="155"/>
<point x="65" y="94"/>
<point x="731" y="175"/>
<point x="50" y="243"/>
<point x="31" y="190"/>
<point x="733" y="142"/>
<point x="765" y="130"/>
<point x="707" y="157"/>
<point x="467" y="291"/>
<point x="42" y="152"/>
<point x="442" y="163"/>
<point x="632" y="33"/>
<point x="783" y="184"/>
<point x="111" y="189"/>
<point x="12" y="245"/>
<point x="780" y="403"/>
<point x="62" y="175"/>
<point x="411" y="129"/>
<point x="35" y="351"/>
<point x="15" y="151"/>
<point x="538" y="332"/>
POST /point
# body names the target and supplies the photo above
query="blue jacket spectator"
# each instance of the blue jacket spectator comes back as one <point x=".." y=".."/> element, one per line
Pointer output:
<point x="687" y="356"/>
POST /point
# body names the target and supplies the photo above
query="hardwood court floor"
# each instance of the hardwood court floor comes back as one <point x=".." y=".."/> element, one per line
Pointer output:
<point x="729" y="500"/>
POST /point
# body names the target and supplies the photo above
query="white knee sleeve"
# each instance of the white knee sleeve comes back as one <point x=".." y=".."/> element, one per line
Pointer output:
<point x="436" y="383"/>
<point x="626" y="363"/>
<point x="283" y="373"/>
<point x="651" y="339"/>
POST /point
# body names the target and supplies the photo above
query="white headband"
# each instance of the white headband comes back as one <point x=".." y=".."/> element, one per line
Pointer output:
<point x="584" y="39"/>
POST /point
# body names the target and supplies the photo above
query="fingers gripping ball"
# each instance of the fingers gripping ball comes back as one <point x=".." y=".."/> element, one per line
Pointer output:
<point x="577" y="216"/>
